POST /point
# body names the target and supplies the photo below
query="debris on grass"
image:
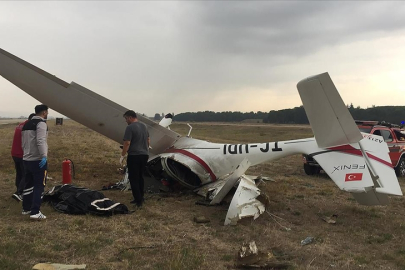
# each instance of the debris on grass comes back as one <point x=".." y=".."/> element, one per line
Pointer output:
<point x="250" y="257"/>
<point x="274" y="217"/>
<point x="57" y="266"/>
<point x="329" y="220"/>
<point x="307" y="241"/>
<point x="201" y="219"/>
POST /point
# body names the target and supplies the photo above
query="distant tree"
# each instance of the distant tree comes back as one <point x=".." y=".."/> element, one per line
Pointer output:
<point x="288" y="116"/>
<point x="210" y="116"/>
<point x="297" y="115"/>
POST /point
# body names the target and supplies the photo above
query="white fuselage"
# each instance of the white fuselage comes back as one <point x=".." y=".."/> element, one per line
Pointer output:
<point x="211" y="161"/>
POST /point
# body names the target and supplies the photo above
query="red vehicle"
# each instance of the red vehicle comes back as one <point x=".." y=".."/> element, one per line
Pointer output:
<point x="393" y="135"/>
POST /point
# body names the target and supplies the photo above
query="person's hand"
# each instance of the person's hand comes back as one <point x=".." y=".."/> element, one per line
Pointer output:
<point x="122" y="159"/>
<point x="150" y="147"/>
<point x="43" y="162"/>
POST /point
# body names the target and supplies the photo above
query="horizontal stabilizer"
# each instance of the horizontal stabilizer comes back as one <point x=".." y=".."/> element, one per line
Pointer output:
<point x="346" y="166"/>
<point x="329" y="117"/>
<point x="362" y="168"/>
<point x="371" y="198"/>
<point x="376" y="154"/>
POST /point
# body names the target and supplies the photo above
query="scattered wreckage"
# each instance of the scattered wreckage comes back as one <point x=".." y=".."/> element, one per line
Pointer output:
<point x="249" y="257"/>
<point x="213" y="169"/>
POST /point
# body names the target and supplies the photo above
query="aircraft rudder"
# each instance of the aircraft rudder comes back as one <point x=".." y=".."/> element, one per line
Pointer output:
<point x="328" y="116"/>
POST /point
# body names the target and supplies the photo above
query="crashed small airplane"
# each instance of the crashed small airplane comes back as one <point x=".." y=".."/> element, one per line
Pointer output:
<point x="357" y="162"/>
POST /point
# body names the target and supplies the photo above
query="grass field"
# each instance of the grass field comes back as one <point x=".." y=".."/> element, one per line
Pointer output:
<point x="162" y="235"/>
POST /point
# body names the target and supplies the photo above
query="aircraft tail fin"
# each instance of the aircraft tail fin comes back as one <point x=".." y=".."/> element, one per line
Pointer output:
<point x="329" y="117"/>
<point x="357" y="163"/>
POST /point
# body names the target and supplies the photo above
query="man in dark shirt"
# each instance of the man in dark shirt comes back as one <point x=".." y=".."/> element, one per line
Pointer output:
<point x="136" y="144"/>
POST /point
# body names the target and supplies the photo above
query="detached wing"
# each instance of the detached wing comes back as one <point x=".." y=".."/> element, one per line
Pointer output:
<point x="79" y="103"/>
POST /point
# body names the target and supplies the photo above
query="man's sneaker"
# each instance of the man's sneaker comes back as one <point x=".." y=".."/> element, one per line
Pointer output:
<point x="38" y="216"/>
<point x="26" y="212"/>
<point x="17" y="197"/>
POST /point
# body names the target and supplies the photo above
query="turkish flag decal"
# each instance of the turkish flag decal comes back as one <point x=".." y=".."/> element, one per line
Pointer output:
<point x="353" y="177"/>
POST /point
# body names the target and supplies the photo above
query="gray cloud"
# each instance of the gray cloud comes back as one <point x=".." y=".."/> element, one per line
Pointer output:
<point x="187" y="51"/>
<point x="292" y="27"/>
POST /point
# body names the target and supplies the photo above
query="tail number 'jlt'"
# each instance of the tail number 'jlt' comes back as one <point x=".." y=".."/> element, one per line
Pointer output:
<point x="244" y="148"/>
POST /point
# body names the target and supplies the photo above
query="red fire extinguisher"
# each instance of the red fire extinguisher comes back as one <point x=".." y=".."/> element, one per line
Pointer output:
<point x="68" y="169"/>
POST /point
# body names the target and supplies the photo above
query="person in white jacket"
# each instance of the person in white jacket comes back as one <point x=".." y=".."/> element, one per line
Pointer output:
<point x="35" y="158"/>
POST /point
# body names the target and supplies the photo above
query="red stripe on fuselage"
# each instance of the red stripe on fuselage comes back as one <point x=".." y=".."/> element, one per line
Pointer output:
<point x="196" y="158"/>
<point x="348" y="149"/>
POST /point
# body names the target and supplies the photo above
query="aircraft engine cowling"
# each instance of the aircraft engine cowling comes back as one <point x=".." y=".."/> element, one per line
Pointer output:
<point x="188" y="171"/>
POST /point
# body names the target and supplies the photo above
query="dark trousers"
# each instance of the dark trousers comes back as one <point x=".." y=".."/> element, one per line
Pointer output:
<point x="35" y="181"/>
<point x="136" y="167"/>
<point x="19" y="175"/>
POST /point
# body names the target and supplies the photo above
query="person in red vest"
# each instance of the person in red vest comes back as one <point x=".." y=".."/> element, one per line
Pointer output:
<point x="17" y="155"/>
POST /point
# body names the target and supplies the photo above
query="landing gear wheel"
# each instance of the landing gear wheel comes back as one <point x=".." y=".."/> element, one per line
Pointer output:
<point x="311" y="170"/>
<point x="400" y="168"/>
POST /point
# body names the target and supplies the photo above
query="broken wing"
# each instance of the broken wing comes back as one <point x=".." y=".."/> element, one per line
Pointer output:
<point x="79" y="103"/>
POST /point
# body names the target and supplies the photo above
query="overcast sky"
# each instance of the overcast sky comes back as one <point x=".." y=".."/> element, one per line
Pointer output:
<point x="190" y="56"/>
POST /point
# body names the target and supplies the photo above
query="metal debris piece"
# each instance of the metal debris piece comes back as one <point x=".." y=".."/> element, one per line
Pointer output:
<point x="201" y="219"/>
<point x="250" y="257"/>
<point x="307" y="241"/>
<point x="244" y="202"/>
<point x="230" y="181"/>
<point x="57" y="266"/>
<point x="260" y="178"/>
<point x="266" y="178"/>
<point x="329" y="220"/>
<point x="248" y="249"/>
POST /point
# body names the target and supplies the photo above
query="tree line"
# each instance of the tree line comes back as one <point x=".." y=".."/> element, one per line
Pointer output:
<point x="210" y="116"/>
<point x="392" y="114"/>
